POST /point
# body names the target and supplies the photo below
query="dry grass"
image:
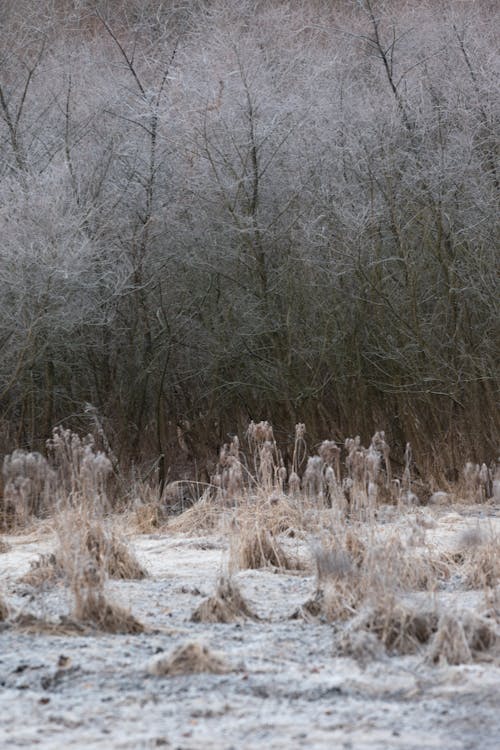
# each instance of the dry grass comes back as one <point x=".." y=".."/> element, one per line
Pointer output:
<point x="277" y="513"/>
<point x="204" y="515"/>
<point x="215" y="512"/>
<point x="93" y="607"/>
<point x="338" y="560"/>
<point x="397" y="566"/>
<point x="462" y="639"/>
<point x="88" y="553"/>
<point x="400" y="628"/>
<point x="352" y="571"/>
<point x="111" y="553"/>
<point x="481" y="567"/>
<point x="367" y="561"/>
<point x="148" y="517"/>
<point x="475" y="556"/>
<point x="361" y="645"/>
<point x="46" y="569"/>
<point x="226" y="605"/>
<point x="104" y="615"/>
<point x="190" y="658"/>
<point x="450" y="639"/>
<point x="105" y="550"/>
<point x="334" y="601"/>
<point x="4" y="609"/>
<point x="4" y="546"/>
<point x="29" y="624"/>
<point x="255" y="547"/>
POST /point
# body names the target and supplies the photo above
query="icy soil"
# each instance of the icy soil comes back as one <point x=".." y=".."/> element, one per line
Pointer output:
<point x="286" y="690"/>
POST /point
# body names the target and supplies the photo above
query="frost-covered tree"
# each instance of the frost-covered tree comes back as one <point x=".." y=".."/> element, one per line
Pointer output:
<point x="211" y="212"/>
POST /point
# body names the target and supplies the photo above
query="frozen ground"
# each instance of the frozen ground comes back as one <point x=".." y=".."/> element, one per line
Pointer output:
<point x="287" y="689"/>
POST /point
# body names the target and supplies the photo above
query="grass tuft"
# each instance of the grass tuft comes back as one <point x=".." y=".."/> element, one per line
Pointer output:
<point x="93" y="607"/>
<point x="4" y="610"/>
<point x="400" y="629"/>
<point x="462" y="639"/>
<point x="255" y="548"/>
<point x="226" y="605"/>
<point x="189" y="658"/>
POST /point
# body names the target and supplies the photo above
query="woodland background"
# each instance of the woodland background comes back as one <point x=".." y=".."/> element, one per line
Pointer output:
<point x="212" y="212"/>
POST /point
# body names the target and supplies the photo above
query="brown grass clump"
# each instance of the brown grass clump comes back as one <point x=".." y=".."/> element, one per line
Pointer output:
<point x="104" y="548"/>
<point x="481" y="567"/>
<point x="226" y="605"/>
<point x="392" y="566"/>
<point x="312" y="608"/>
<point x="355" y="547"/>
<point x="476" y="555"/>
<point x="351" y="571"/>
<point x="339" y="581"/>
<point x="204" y="515"/>
<point x="92" y="607"/>
<point x="278" y="513"/>
<point x="148" y="517"/>
<point x="4" y="546"/>
<point x="360" y="645"/>
<point x="190" y="658"/>
<point x="87" y="551"/>
<point x="459" y="640"/>
<point x="483" y="634"/>
<point x="256" y="548"/>
<point x="342" y="599"/>
<point x="4" y="610"/>
<point x="334" y="601"/>
<point x="449" y="645"/>
<point x="108" y="551"/>
<point x="214" y="511"/>
<point x="107" y="616"/>
<point x="30" y="624"/>
<point x="28" y="480"/>
<point x="339" y="555"/>
<point x="45" y="569"/>
<point x="401" y="629"/>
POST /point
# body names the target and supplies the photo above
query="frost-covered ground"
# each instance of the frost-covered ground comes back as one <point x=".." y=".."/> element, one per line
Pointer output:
<point x="286" y="690"/>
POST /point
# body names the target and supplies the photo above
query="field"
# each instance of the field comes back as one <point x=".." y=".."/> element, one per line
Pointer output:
<point x="284" y="618"/>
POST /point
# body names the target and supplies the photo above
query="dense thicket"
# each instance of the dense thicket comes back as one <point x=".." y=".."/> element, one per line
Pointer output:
<point x="215" y="211"/>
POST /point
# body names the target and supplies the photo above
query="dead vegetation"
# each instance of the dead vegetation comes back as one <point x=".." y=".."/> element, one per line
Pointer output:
<point x="45" y="570"/>
<point x="481" y="563"/>
<point x="93" y="607"/>
<point x="148" y="517"/>
<point x="255" y="547"/>
<point x="475" y="557"/>
<point x="354" y="521"/>
<point x="461" y="639"/>
<point x="28" y="483"/>
<point x="4" y="546"/>
<point x="110" y="552"/>
<point x="333" y="602"/>
<point x="361" y="645"/>
<point x="207" y="514"/>
<point x="352" y="571"/>
<point x="105" y="550"/>
<point x="226" y="605"/>
<point x="400" y="628"/>
<point x="30" y="624"/>
<point x="343" y="483"/>
<point x="4" y="609"/>
<point x="189" y="658"/>
<point x="339" y="591"/>
<point x="88" y="551"/>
